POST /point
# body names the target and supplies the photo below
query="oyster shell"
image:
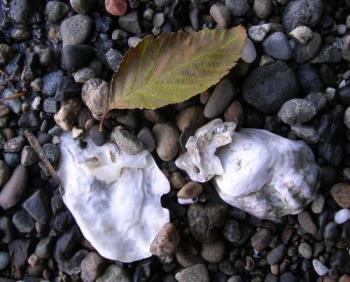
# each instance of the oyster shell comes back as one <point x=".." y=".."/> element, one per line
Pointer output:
<point x="255" y="170"/>
<point x="114" y="197"/>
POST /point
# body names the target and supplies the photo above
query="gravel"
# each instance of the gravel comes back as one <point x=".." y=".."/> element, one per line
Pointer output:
<point x="277" y="46"/>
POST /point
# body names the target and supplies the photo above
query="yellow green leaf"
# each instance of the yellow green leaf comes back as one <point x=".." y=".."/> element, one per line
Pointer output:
<point x="174" y="67"/>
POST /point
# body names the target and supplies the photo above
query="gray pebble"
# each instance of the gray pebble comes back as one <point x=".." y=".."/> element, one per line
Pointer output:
<point x="126" y="141"/>
<point x="14" y="145"/>
<point x="194" y="273"/>
<point x="306" y="52"/>
<point x="83" y="75"/>
<point x="249" y="52"/>
<point x="20" y="11"/>
<point x="276" y="254"/>
<point x="308" y="133"/>
<point x="56" y="10"/>
<point x="114" y="58"/>
<point x="231" y="231"/>
<point x="5" y="259"/>
<point x="238" y="8"/>
<point x="51" y="81"/>
<point x="259" y="32"/>
<point x="221" y="15"/>
<point x="302" y="34"/>
<point x="76" y="56"/>
<point x="277" y="46"/>
<point x="50" y="106"/>
<point x="305" y="250"/>
<point x="23" y="222"/>
<point x="52" y="152"/>
<point x="263" y="8"/>
<point x="319" y="100"/>
<point x="130" y="23"/>
<point x="83" y="6"/>
<point x="219" y="99"/>
<point x="37" y="206"/>
<point x="5" y="173"/>
<point x="44" y="247"/>
<point x="76" y="29"/>
<point x="114" y="273"/>
<point x="91" y="267"/>
<point x="330" y="231"/>
<point x="147" y="139"/>
<point x="214" y="252"/>
<point x="297" y="111"/>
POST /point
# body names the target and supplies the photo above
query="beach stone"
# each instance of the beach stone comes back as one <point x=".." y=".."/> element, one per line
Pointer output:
<point x="269" y="86"/>
<point x="37" y="206"/>
<point x="302" y="13"/>
<point x="191" y="116"/>
<point x="56" y="10"/>
<point x="14" y="188"/>
<point x="213" y="252"/>
<point x="261" y="239"/>
<point x="67" y="243"/>
<point x="319" y="267"/>
<point x="276" y="254"/>
<point x="249" y="52"/>
<point x="76" y="29"/>
<point x="305" y="250"/>
<point x="297" y="111"/>
<point x="5" y="173"/>
<point x="231" y="231"/>
<point x="44" y="247"/>
<point x="341" y="194"/>
<point x="116" y="7"/>
<point x="51" y="82"/>
<point x="68" y="114"/>
<point x="71" y="266"/>
<point x="259" y="32"/>
<point x="221" y="15"/>
<point x="126" y="141"/>
<point x="165" y="243"/>
<point x="91" y="267"/>
<point x="302" y="34"/>
<point x="5" y="259"/>
<point x="219" y="99"/>
<point x="19" y="249"/>
<point x="194" y="273"/>
<point x="342" y="216"/>
<point x="23" y="222"/>
<point x="238" y="8"/>
<point x="114" y="273"/>
<point x="330" y="231"/>
<point x="190" y="190"/>
<point x="20" y="11"/>
<point x="307" y="223"/>
<point x="95" y="95"/>
<point x="14" y="145"/>
<point x="263" y="8"/>
<point x="276" y="45"/>
<point x="167" y="140"/>
<point x="76" y="56"/>
<point x="84" y="74"/>
<point x="114" y="59"/>
<point x="130" y="23"/>
<point x="308" y="51"/>
<point x="83" y="6"/>
<point x="146" y="138"/>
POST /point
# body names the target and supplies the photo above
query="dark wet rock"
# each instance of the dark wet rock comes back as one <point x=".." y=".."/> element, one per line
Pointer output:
<point x="277" y="46"/>
<point x="205" y="221"/>
<point x="6" y="230"/>
<point x="231" y="231"/>
<point x="52" y="152"/>
<point x="76" y="56"/>
<point x="20" y="252"/>
<point x="114" y="273"/>
<point x="276" y="254"/>
<point x="20" y="11"/>
<point x="72" y="265"/>
<point x="310" y="80"/>
<point x="37" y="206"/>
<point x="269" y="86"/>
<point x="67" y="89"/>
<point x="91" y="267"/>
<point x="30" y="120"/>
<point x="67" y="244"/>
<point x="238" y="8"/>
<point x="28" y="156"/>
<point x="44" y="247"/>
<point x="261" y="239"/>
<point x="23" y="222"/>
<point x="307" y="52"/>
<point x="56" y="10"/>
<point x="63" y="221"/>
<point x="51" y="82"/>
<point x="14" y="189"/>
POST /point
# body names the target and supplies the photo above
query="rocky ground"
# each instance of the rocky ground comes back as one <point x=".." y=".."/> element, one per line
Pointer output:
<point x="57" y="58"/>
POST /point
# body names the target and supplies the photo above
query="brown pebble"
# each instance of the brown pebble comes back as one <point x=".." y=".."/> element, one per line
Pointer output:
<point x="151" y="115"/>
<point x="307" y="223"/>
<point x="341" y="194"/>
<point x="261" y="239"/>
<point x="166" y="242"/>
<point x="4" y="110"/>
<point x="190" y="190"/>
<point x="167" y="139"/>
<point x="177" y="180"/>
<point x="189" y="117"/>
<point x="286" y="235"/>
<point x="274" y="269"/>
<point x="344" y="278"/>
<point x="234" y="112"/>
<point x="204" y="97"/>
<point x="116" y="7"/>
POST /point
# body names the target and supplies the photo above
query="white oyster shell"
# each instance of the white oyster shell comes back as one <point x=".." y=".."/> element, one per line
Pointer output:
<point x="114" y="197"/>
<point x="255" y="170"/>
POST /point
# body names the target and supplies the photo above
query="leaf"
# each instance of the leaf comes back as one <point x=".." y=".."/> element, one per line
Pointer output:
<point x="174" y="67"/>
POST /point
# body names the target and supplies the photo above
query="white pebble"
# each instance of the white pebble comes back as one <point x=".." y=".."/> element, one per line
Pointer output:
<point x="249" y="52"/>
<point x="319" y="267"/>
<point x="183" y="201"/>
<point x="302" y="34"/>
<point x="259" y="32"/>
<point x="318" y="204"/>
<point x="133" y="41"/>
<point x="330" y="93"/>
<point x="36" y="103"/>
<point x="341" y="29"/>
<point x="342" y="216"/>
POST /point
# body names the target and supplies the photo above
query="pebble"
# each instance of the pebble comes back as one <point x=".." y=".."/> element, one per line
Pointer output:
<point x="114" y="59"/>
<point x="263" y="8"/>
<point x="249" y="52"/>
<point x="190" y="190"/>
<point x="67" y="243"/>
<point x="306" y="52"/>
<point x="308" y="133"/>
<point x="116" y="7"/>
<point x="305" y="250"/>
<point x="165" y="243"/>
<point x="261" y="239"/>
<point x="297" y="111"/>
<point x="231" y="231"/>
<point x="219" y="99"/>
<point x="259" y="32"/>
<point x="91" y="267"/>
<point x="167" y="141"/>
<point x="238" y="8"/>
<point x="51" y="82"/>
<point x="221" y="15"/>
<point x="52" y="152"/>
<point x="98" y="137"/>
<point x="319" y="267"/>
<point x="50" y="106"/>
<point x="130" y="23"/>
<point x="83" y="6"/>
<point x="14" y="145"/>
<point x="84" y="74"/>
<point x="71" y="266"/>
<point x="5" y="173"/>
<point x="204" y="221"/>
<point x="67" y="116"/>
<point x="302" y="34"/>
<point x="330" y="231"/>
<point x="44" y="247"/>
<point x="302" y="13"/>
<point x="192" y="116"/>
<point x="23" y="222"/>
<point x="276" y="254"/>
<point x="342" y="216"/>
<point x="146" y="137"/>
<point x="6" y="53"/>
<point x="20" y="11"/>
<point x="76" y="56"/>
<point x="347" y="118"/>
<point x="19" y="249"/>
<point x="269" y="86"/>
<point x="5" y="259"/>
<point x="194" y="273"/>
<point x="37" y="206"/>
<point x="56" y="10"/>
<point x="126" y="141"/>
<point x="95" y="95"/>
<point x="213" y="252"/>
<point x="76" y="29"/>
<point x="306" y="222"/>
<point x="276" y="45"/>
<point x="317" y="205"/>
<point x="341" y="194"/>
<point x="14" y="189"/>
<point x="114" y="273"/>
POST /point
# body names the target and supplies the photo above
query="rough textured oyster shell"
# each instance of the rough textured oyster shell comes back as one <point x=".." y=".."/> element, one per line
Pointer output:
<point x="114" y="197"/>
<point x="255" y="170"/>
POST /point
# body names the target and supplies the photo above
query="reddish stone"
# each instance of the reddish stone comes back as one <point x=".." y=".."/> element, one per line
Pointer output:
<point x="116" y="7"/>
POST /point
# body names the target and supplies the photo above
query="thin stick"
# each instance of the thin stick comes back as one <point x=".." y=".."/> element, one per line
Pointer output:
<point x="37" y="148"/>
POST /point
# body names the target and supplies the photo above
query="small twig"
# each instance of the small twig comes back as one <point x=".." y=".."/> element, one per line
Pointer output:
<point x="37" y="148"/>
<point x="16" y="96"/>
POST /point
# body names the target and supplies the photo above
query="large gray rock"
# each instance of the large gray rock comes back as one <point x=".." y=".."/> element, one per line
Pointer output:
<point x="282" y="180"/>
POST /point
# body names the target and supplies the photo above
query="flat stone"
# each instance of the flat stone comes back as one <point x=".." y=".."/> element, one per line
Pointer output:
<point x="76" y="29"/>
<point x="37" y="206"/>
